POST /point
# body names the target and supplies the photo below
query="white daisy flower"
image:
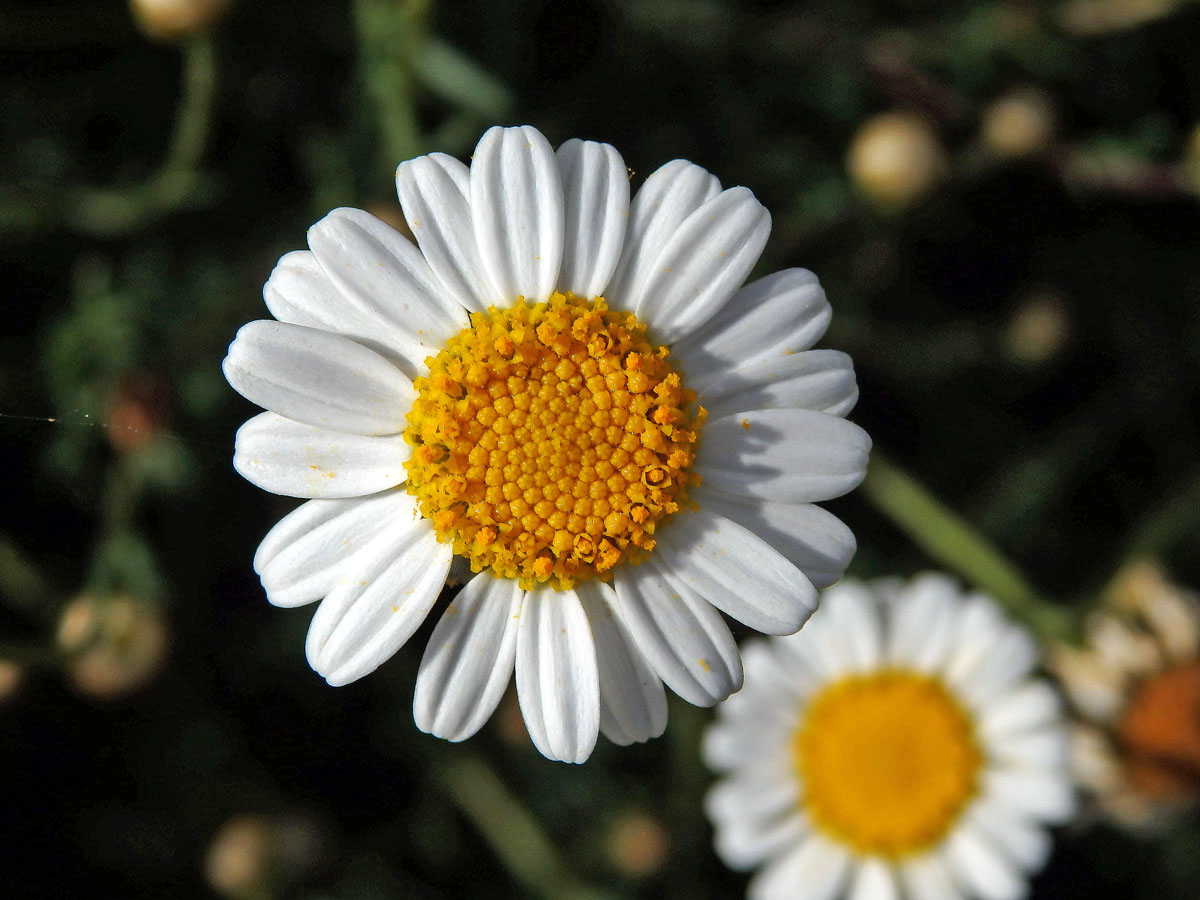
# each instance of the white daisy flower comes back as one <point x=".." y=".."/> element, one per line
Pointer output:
<point x="896" y="747"/>
<point x="572" y="392"/>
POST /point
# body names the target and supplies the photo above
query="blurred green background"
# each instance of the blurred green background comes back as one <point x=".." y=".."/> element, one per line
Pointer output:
<point x="1011" y="253"/>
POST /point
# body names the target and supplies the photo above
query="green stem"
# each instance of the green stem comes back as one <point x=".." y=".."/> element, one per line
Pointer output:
<point x="391" y="35"/>
<point x="22" y="585"/>
<point x="1168" y="522"/>
<point x="194" y="116"/>
<point x="515" y="836"/>
<point x="953" y="542"/>
<point x="176" y="183"/>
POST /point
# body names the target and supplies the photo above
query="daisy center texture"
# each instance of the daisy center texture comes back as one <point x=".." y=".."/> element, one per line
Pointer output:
<point x="890" y="761"/>
<point x="551" y="441"/>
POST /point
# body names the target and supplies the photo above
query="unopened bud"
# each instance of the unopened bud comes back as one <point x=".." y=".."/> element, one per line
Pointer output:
<point x="114" y="645"/>
<point x="1019" y="124"/>
<point x="895" y="159"/>
<point x="173" y="20"/>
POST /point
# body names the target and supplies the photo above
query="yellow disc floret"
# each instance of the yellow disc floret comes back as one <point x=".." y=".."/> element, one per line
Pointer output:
<point x="552" y="440"/>
<point x="889" y="761"/>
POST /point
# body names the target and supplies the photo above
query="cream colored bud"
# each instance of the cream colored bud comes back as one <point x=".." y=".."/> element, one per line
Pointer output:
<point x="11" y="676"/>
<point x="1019" y="124"/>
<point x="240" y="858"/>
<point x="173" y="20"/>
<point x="253" y="856"/>
<point x="895" y="159"/>
<point x="114" y="645"/>
<point x="637" y="844"/>
<point x="1038" y="329"/>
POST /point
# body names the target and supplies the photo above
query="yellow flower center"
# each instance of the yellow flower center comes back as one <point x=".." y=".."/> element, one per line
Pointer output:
<point x="551" y="441"/>
<point x="889" y="761"/>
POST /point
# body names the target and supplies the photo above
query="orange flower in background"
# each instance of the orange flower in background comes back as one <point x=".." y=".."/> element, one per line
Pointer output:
<point x="1135" y="686"/>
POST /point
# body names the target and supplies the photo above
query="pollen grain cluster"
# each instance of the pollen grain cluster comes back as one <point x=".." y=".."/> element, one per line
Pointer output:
<point x="551" y="441"/>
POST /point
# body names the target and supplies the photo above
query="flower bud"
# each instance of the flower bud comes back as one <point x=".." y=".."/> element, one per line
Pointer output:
<point x="115" y="645"/>
<point x="1038" y="329"/>
<point x="1018" y="124"/>
<point x="895" y="159"/>
<point x="638" y="844"/>
<point x="168" y="21"/>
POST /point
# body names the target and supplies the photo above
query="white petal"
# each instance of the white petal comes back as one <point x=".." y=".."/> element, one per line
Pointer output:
<point x="774" y="317"/>
<point x="813" y="540"/>
<point x="702" y="264"/>
<point x="789" y="455"/>
<point x="743" y="844"/>
<point x="816" y="870"/>
<point x="435" y="192"/>
<point x="318" y="378"/>
<point x="990" y="654"/>
<point x="873" y="881"/>
<point x="1042" y="795"/>
<point x="813" y="652"/>
<point x="669" y="195"/>
<point x="375" y="609"/>
<point x="596" y="201"/>
<point x="760" y="793"/>
<point x="300" y="293"/>
<point x="980" y="869"/>
<point x="738" y="741"/>
<point x="923" y="622"/>
<point x="558" y="684"/>
<point x="816" y="379"/>
<point x="782" y="686"/>
<point x="1031" y="706"/>
<point x="761" y="717"/>
<point x="735" y="570"/>
<point x="469" y="659"/>
<point x="1045" y="750"/>
<point x="517" y="208"/>
<point x="1026" y="844"/>
<point x="926" y="878"/>
<point x="384" y="275"/>
<point x="681" y="634"/>
<point x="301" y="558"/>
<point x="753" y="818"/>
<point x="853" y="622"/>
<point x="633" y="705"/>
<point x="286" y="457"/>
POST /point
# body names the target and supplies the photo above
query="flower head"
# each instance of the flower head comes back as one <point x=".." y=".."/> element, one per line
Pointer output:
<point x="570" y="392"/>
<point x="1135" y="687"/>
<point x="897" y="746"/>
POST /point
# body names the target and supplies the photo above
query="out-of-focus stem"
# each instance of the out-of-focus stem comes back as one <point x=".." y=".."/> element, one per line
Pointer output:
<point x="21" y="584"/>
<point x="954" y="543"/>
<point x="391" y="35"/>
<point x="1172" y="519"/>
<point x="108" y="211"/>
<point x="513" y="834"/>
